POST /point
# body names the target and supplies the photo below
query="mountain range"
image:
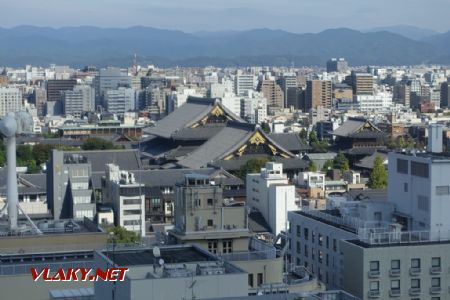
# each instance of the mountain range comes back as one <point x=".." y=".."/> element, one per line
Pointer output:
<point x="85" y="45"/>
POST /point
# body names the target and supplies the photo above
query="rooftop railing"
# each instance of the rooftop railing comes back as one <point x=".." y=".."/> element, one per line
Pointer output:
<point x="378" y="237"/>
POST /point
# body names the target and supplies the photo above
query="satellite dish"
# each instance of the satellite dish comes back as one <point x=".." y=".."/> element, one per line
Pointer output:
<point x="161" y="262"/>
<point x="156" y="252"/>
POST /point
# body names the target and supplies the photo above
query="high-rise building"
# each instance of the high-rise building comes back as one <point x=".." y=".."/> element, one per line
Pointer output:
<point x="402" y="94"/>
<point x="272" y="92"/>
<point x="362" y="83"/>
<point x="80" y="99"/>
<point x="289" y="86"/>
<point x="10" y="100"/>
<point x="40" y="98"/>
<point x="337" y="65"/>
<point x="110" y="79"/>
<point x="56" y="87"/>
<point x="120" y="100"/>
<point x="445" y="94"/>
<point x="243" y="83"/>
<point x="318" y="93"/>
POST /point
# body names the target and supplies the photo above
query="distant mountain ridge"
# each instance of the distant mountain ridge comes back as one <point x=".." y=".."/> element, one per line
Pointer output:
<point x="86" y="45"/>
<point x="411" y="32"/>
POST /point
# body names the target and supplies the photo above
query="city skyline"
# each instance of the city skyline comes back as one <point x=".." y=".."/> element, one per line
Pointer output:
<point x="298" y="16"/>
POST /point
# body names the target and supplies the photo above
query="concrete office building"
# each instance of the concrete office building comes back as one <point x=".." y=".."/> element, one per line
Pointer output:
<point x="110" y="79"/>
<point x="318" y="93"/>
<point x="270" y="194"/>
<point x="272" y="92"/>
<point x="10" y="100"/>
<point x="362" y="83"/>
<point x="170" y="272"/>
<point x="40" y="99"/>
<point x="69" y="186"/>
<point x="119" y="101"/>
<point x="445" y="94"/>
<point x="402" y="94"/>
<point x="337" y="65"/>
<point x="126" y="196"/>
<point x="289" y="86"/>
<point x="254" y="108"/>
<point x="56" y="87"/>
<point x="80" y="99"/>
<point x="380" y="101"/>
<point x="243" y="83"/>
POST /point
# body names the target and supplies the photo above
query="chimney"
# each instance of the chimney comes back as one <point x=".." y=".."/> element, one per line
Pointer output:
<point x="435" y="138"/>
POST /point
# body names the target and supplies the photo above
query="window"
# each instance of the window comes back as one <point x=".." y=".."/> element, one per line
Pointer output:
<point x="320" y="256"/>
<point x="375" y="266"/>
<point x="131" y="212"/>
<point x="436" y="262"/>
<point x="212" y="246"/>
<point x="210" y="223"/>
<point x="136" y="201"/>
<point x="327" y="260"/>
<point x="298" y="247"/>
<point x="250" y="280"/>
<point x="327" y="242"/>
<point x="422" y="203"/>
<point x="227" y="246"/>
<point x="298" y="230"/>
<point x="260" y="279"/>
<point x="313" y="236"/>
<point x="305" y="233"/>
<point x="320" y="238"/>
<point x="395" y="285"/>
<point x="442" y="190"/>
<point x="334" y="245"/>
<point x="436" y="282"/>
<point x="419" y="169"/>
<point x="405" y="187"/>
<point x="415" y="283"/>
<point x="415" y="263"/>
<point x="375" y="286"/>
<point x="395" y="264"/>
<point x="402" y="166"/>
<point x="313" y="254"/>
<point x="306" y="251"/>
<point x="209" y="202"/>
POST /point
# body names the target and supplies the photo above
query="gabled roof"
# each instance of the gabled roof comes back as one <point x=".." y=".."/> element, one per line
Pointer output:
<point x="188" y="115"/>
<point x="290" y="141"/>
<point x="354" y="126"/>
<point x="368" y="161"/>
<point x="233" y="138"/>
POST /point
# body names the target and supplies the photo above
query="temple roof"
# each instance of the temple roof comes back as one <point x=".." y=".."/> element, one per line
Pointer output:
<point x="290" y="141"/>
<point x="190" y="115"/>
<point x="357" y="128"/>
<point x="232" y="141"/>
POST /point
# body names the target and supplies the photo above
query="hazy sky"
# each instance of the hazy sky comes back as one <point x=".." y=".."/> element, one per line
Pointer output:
<point x="211" y="15"/>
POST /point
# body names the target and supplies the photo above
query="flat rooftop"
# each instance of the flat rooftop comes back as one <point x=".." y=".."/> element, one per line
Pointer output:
<point x="394" y="244"/>
<point x="333" y="214"/>
<point x="170" y="255"/>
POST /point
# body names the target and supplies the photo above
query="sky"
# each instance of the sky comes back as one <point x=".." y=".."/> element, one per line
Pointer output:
<point x="223" y="15"/>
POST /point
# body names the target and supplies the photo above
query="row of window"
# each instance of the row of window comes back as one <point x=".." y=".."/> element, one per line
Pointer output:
<point x="414" y="284"/>
<point x="395" y="264"/>
<point x="227" y="246"/>
<point x="320" y="237"/>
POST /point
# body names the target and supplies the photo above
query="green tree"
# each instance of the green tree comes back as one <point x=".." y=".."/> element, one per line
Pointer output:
<point x="41" y="153"/>
<point x="341" y="162"/>
<point x="378" y="178"/>
<point x="327" y="165"/>
<point x="2" y="154"/>
<point x="265" y="127"/>
<point x="313" y="138"/>
<point x="120" y="235"/>
<point x="97" y="144"/>
<point x="312" y="167"/>
<point x="253" y="165"/>
<point x="303" y="134"/>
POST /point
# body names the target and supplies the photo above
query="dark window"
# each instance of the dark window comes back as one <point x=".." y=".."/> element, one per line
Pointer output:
<point x="250" y="280"/>
<point x="415" y="283"/>
<point x="298" y="230"/>
<point x="210" y="223"/>
<point x="415" y="263"/>
<point x="419" y="169"/>
<point x="305" y="233"/>
<point x="402" y="166"/>
<point x="436" y="262"/>
<point x="260" y="279"/>
<point x="375" y="266"/>
<point x="395" y="264"/>
<point x="442" y="190"/>
<point x="210" y="202"/>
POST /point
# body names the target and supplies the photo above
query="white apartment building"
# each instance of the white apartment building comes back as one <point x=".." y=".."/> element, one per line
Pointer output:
<point x="126" y="196"/>
<point x="179" y="97"/>
<point x="376" y="102"/>
<point x="254" y="107"/>
<point x="10" y="100"/>
<point x="244" y="82"/>
<point x="311" y="180"/>
<point x="270" y="193"/>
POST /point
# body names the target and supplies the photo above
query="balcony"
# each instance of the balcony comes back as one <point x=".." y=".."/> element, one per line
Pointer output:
<point x="435" y="290"/>
<point x="415" y="271"/>
<point x="374" y="294"/>
<point x="374" y="274"/>
<point x="414" y="291"/>
<point x="394" y="272"/>
<point x="394" y="293"/>
<point x="435" y="270"/>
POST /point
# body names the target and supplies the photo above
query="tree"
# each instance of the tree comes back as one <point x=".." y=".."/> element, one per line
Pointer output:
<point x="327" y="165"/>
<point x="97" y="144"/>
<point x="253" y="165"/>
<point x="316" y="144"/>
<point x="265" y="127"/>
<point x="303" y="134"/>
<point x="41" y="153"/>
<point x="378" y="178"/>
<point x="120" y="235"/>
<point x="341" y="162"/>
<point x="312" y="167"/>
